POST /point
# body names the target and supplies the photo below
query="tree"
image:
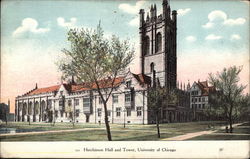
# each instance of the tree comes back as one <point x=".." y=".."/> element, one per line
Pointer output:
<point x="158" y="97"/>
<point x="96" y="61"/>
<point x="226" y="99"/>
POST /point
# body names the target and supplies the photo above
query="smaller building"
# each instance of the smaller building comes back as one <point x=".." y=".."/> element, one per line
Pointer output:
<point x="199" y="98"/>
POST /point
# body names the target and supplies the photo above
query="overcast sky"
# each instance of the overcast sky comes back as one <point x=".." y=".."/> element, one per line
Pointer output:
<point x="211" y="35"/>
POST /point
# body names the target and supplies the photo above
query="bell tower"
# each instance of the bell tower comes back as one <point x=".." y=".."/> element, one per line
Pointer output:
<point x="158" y="45"/>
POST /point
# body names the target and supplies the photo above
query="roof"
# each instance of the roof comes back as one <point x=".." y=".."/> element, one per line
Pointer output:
<point x="142" y="78"/>
<point x="73" y="87"/>
<point x="205" y="88"/>
<point x="43" y="90"/>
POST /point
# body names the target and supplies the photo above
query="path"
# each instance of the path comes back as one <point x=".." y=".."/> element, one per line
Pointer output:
<point x="192" y="135"/>
<point x="52" y="131"/>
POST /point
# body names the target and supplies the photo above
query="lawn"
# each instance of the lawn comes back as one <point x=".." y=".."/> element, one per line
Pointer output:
<point x="119" y="133"/>
<point x="241" y="132"/>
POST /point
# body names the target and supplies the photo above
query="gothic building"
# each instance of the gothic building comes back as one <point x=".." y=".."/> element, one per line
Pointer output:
<point x="158" y="44"/>
<point x="71" y="102"/>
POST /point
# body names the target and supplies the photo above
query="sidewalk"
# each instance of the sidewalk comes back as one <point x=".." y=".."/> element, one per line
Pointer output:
<point x="192" y="135"/>
<point x="52" y="131"/>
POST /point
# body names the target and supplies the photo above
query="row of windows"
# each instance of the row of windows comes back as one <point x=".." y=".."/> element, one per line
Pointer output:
<point x="194" y="93"/>
<point x="200" y="106"/>
<point x="118" y="112"/>
<point x="99" y="112"/>
<point x="77" y="112"/>
<point x="198" y="99"/>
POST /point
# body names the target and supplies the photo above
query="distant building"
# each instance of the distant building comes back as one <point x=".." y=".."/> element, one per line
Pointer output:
<point x="128" y="102"/>
<point x="5" y="112"/>
<point x="199" y="96"/>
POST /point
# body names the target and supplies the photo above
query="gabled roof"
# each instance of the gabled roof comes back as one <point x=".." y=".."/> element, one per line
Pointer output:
<point x="205" y="88"/>
<point x="142" y="78"/>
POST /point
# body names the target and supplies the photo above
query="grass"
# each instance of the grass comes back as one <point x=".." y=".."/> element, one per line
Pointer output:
<point x="130" y="133"/>
<point x="241" y="132"/>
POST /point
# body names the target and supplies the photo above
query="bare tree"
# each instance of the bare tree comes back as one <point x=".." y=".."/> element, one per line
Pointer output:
<point x="96" y="61"/>
<point x="228" y="93"/>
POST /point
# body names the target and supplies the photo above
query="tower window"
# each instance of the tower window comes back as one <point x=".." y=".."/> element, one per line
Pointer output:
<point x="147" y="44"/>
<point x="152" y="67"/>
<point x="158" y="42"/>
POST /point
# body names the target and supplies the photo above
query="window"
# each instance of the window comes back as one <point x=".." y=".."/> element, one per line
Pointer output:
<point x="127" y="97"/>
<point x="128" y="84"/>
<point x="61" y="113"/>
<point x="192" y="99"/>
<point x="109" y="113"/>
<point x="138" y="111"/>
<point x="60" y="102"/>
<point x="118" y="111"/>
<point x="69" y="102"/>
<point x="30" y="109"/>
<point x="199" y="99"/>
<point x="147" y="44"/>
<point x="70" y="115"/>
<point x="56" y="113"/>
<point x="203" y="99"/>
<point x="195" y="99"/>
<point x="158" y="42"/>
<point x="195" y="106"/>
<point x="100" y="100"/>
<point x="61" y="93"/>
<point x="76" y="102"/>
<point x="86" y="102"/>
<point x="152" y="67"/>
<point x="194" y="92"/>
<point x="203" y="106"/>
<point x="192" y="106"/>
<point x="77" y="112"/>
<point x="49" y="104"/>
<point x="200" y="106"/>
<point x="128" y="112"/>
<point x="115" y="99"/>
<point x="99" y="112"/>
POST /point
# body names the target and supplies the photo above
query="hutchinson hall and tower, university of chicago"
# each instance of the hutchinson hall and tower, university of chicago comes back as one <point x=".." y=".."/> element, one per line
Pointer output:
<point x="72" y="102"/>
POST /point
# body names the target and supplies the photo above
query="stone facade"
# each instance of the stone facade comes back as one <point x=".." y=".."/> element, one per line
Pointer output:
<point x="158" y="44"/>
<point x="71" y="102"/>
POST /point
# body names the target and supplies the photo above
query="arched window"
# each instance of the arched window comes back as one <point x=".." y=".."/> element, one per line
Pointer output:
<point x="30" y="108"/>
<point x="152" y="67"/>
<point x="147" y="44"/>
<point x="158" y="42"/>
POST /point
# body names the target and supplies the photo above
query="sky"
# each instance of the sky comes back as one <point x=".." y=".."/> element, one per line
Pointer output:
<point x="211" y="35"/>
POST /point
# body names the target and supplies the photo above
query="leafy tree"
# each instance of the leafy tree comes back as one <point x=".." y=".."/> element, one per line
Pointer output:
<point x="96" y="61"/>
<point x="228" y="94"/>
<point x="157" y="98"/>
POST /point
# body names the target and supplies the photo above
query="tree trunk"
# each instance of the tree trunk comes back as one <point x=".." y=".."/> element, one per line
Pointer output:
<point x="231" y="125"/>
<point x="107" y="122"/>
<point x="230" y="119"/>
<point x="29" y="120"/>
<point x="157" y="125"/>
<point x="6" y="119"/>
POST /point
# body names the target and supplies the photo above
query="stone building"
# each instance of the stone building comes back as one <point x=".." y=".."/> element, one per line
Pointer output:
<point x="199" y="98"/>
<point x="69" y="102"/>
